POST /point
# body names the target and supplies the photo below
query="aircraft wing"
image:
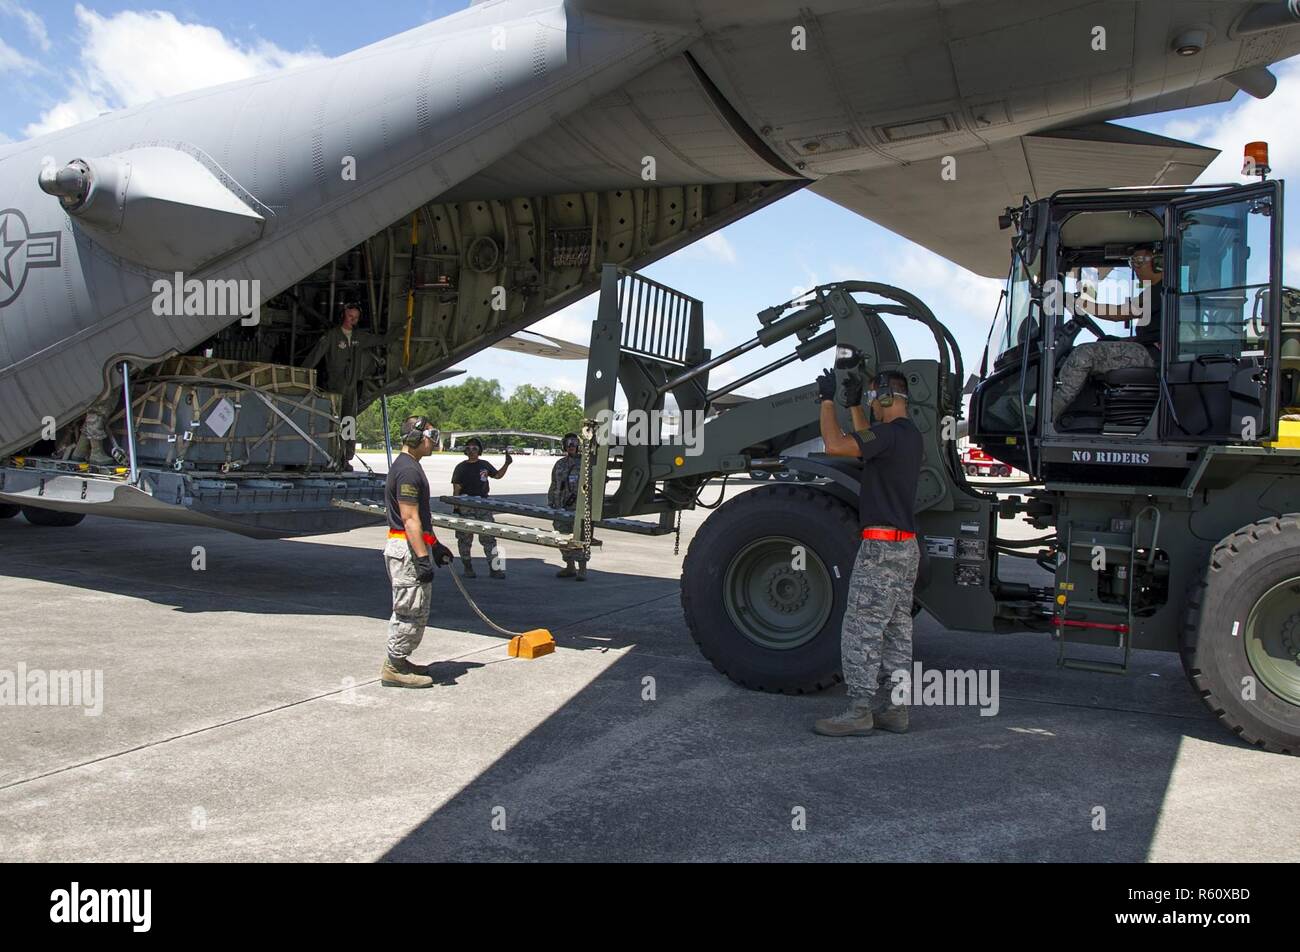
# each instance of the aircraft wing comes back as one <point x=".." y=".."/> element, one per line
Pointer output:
<point x="542" y="345"/>
<point x="957" y="217"/>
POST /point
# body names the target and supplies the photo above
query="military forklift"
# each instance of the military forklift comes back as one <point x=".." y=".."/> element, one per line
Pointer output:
<point x="1166" y="492"/>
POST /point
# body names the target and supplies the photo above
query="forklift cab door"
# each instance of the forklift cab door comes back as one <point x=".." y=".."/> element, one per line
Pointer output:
<point x="1004" y="406"/>
<point x="1223" y="290"/>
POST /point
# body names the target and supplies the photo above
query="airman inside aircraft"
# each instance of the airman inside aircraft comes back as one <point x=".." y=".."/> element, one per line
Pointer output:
<point x="350" y="356"/>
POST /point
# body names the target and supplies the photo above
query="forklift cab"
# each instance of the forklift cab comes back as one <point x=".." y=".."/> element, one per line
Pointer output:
<point x="1139" y="325"/>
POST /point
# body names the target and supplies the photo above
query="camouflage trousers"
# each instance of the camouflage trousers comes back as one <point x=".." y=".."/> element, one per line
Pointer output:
<point x="95" y="426"/>
<point x="1097" y="357"/>
<point x="877" y="636"/>
<point x="465" y="540"/>
<point x="571" y="555"/>
<point x="411" y="600"/>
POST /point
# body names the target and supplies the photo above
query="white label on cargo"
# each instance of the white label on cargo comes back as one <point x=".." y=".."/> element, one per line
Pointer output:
<point x="219" y="420"/>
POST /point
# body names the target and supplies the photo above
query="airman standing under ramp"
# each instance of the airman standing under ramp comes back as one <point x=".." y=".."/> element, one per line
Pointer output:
<point x="563" y="494"/>
<point x="471" y="478"/>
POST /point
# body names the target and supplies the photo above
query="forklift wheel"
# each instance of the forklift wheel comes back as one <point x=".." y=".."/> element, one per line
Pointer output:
<point x="48" y="517"/>
<point x="8" y="511"/>
<point x="1241" y="643"/>
<point x="764" y="586"/>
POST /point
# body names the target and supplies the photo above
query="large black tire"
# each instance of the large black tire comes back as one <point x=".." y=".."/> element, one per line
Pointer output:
<point x="747" y="538"/>
<point x="8" y="511"/>
<point x="50" y="518"/>
<point x="1243" y="622"/>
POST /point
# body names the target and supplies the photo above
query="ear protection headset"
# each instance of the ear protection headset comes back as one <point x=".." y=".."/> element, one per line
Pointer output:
<point x="570" y="440"/>
<point x="1157" y="258"/>
<point x="422" y="428"/>
<point x="883" y="390"/>
<point x="476" y="442"/>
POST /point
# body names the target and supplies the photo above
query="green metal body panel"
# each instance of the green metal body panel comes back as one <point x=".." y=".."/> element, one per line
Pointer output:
<point x="1154" y="541"/>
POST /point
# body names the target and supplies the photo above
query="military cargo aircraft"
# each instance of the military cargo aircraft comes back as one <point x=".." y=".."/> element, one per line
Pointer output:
<point x="172" y="267"/>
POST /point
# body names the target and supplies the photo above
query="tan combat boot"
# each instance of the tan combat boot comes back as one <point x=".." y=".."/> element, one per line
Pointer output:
<point x="892" y="718"/>
<point x="400" y="673"/>
<point x="854" y="722"/>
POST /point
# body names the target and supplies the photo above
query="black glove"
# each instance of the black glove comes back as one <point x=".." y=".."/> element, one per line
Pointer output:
<point x="852" y="394"/>
<point x="826" y="385"/>
<point x="423" y="569"/>
<point x="442" y="556"/>
<point x="509" y="459"/>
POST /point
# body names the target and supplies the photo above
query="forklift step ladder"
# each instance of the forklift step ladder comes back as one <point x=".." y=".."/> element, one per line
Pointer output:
<point x="1076" y="552"/>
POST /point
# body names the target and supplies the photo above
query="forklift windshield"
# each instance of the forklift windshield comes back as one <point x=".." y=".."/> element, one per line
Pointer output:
<point x="1013" y="325"/>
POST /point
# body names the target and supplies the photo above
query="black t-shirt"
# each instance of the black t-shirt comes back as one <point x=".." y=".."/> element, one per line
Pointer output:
<point x="406" y="482"/>
<point x="472" y="477"/>
<point x="892" y="453"/>
<point x="1149" y="333"/>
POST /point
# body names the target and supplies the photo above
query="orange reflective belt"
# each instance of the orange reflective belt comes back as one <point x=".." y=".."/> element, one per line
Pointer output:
<point x="429" y="538"/>
<point x="887" y="535"/>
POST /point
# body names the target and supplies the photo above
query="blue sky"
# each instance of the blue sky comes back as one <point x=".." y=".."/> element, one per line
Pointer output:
<point x="64" y="61"/>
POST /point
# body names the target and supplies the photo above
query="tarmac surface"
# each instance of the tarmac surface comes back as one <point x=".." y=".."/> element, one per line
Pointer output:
<point x="242" y="720"/>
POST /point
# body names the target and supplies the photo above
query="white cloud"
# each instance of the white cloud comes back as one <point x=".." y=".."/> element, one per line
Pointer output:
<point x="714" y="248"/>
<point x="719" y="247"/>
<point x="573" y="323"/>
<point x="32" y="22"/>
<point x="79" y="107"/>
<point x="182" y="57"/>
<point x="11" y="59"/>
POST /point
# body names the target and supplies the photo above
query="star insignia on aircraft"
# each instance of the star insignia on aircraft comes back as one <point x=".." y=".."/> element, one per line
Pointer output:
<point x="21" y="251"/>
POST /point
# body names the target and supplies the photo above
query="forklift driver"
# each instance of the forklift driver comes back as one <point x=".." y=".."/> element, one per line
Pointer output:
<point x="1103" y="356"/>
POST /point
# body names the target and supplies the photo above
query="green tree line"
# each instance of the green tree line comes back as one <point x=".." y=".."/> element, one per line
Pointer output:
<point x="476" y="404"/>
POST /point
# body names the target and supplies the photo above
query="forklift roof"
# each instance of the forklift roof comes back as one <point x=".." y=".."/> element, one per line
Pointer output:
<point x="1094" y="229"/>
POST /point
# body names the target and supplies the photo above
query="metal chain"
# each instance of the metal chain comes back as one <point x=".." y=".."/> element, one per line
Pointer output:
<point x="677" y="538"/>
<point x="585" y="438"/>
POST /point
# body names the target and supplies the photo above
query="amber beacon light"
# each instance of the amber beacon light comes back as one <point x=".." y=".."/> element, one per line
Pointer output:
<point x="1256" y="159"/>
